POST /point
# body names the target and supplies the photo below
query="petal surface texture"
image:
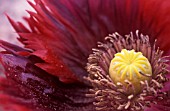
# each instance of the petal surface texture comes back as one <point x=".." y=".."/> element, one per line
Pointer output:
<point x="47" y="74"/>
<point x="63" y="32"/>
<point x="28" y="87"/>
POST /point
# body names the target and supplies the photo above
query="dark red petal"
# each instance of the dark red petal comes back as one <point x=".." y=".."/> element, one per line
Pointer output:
<point x="43" y="43"/>
<point x="151" y="109"/>
<point x="167" y="86"/>
<point x="66" y="31"/>
<point x="161" y="105"/>
<point x="53" y="64"/>
<point x="13" y="48"/>
<point x="155" y="19"/>
<point x="31" y="87"/>
<point x="158" y="108"/>
<point x="14" y="96"/>
<point x="10" y="103"/>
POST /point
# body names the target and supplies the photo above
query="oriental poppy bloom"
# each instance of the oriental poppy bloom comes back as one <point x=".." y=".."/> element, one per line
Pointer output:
<point x="89" y="55"/>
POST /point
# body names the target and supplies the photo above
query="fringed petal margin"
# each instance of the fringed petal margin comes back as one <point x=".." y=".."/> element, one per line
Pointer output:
<point x="45" y="41"/>
<point x="59" y="30"/>
<point x="41" y="48"/>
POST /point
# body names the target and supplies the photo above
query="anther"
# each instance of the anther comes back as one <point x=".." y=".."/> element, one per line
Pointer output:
<point x="130" y="97"/>
<point x="127" y="105"/>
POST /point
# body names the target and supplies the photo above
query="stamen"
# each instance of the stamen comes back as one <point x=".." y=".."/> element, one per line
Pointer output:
<point x="134" y="77"/>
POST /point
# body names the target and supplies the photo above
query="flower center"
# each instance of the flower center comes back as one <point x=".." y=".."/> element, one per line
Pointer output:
<point x="127" y="73"/>
<point x="128" y="68"/>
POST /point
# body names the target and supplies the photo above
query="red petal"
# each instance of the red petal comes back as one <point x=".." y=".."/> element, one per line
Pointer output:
<point x="53" y="64"/>
<point x="151" y="109"/>
<point x="31" y="87"/>
<point x="68" y="30"/>
<point x="158" y="108"/>
<point x="167" y="86"/>
<point x="41" y="43"/>
<point x="9" y="104"/>
<point x="156" y="19"/>
<point x="8" y="97"/>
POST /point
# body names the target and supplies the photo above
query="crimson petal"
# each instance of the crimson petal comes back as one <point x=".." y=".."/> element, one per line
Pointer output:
<point x="53" y="65"/>
<point x="158" y="108"/>
<point x="63" y="32"/>
<point x="29" y="86"/>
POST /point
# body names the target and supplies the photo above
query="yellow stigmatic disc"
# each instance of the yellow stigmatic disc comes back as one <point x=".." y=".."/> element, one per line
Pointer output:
<point x="130" y="68"/>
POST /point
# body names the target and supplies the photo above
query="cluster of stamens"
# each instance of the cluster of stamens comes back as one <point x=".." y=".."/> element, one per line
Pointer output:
<point x="126" y="71"/>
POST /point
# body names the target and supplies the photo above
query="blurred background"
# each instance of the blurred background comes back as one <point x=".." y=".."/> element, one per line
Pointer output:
<point x="16" y="9"/>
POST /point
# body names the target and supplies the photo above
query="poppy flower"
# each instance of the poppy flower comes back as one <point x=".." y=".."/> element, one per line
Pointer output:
<point x="89" y="55"/>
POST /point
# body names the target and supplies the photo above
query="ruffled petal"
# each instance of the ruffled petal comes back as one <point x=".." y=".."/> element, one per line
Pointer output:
<point x="53" y="64"/>
<point x="66" y="31"/>
<point x="74" y="24"/>
<point x="27" y="86"/>
<point x="55" y="40"/>
<point x="62" y="33"/>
